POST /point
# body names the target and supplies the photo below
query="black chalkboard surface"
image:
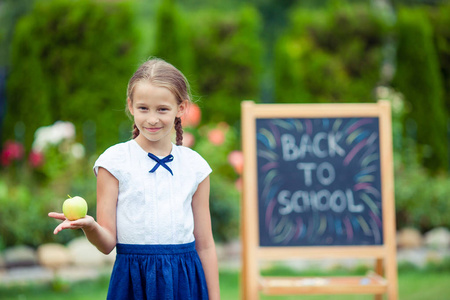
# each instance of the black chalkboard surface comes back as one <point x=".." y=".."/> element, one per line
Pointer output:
<point x="319" y="181"/>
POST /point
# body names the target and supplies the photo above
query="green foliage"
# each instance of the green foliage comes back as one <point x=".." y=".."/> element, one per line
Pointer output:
<point x="418" y="2"/>
<point x="330" y="55"/>
<point x="224" y="209"/>
<point x="420" y="197"/>
<point x="10" y="12"/>
<point x="172" y="37"/>
<point x="71" y="61"/>
<point x="418" y="78"/>
<point x="227" y="54"/>
<point x="440" y="20"/>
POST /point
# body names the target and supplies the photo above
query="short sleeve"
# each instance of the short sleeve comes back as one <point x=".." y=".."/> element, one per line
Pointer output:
<point x="110" y="160"/>
<point x="201" y="167"/>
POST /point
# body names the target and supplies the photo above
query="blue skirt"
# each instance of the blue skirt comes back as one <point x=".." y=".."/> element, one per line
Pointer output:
<point x="157" y="272"/>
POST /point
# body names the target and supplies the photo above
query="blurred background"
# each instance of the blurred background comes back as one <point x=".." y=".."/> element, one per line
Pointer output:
<point x="65" y="65"/>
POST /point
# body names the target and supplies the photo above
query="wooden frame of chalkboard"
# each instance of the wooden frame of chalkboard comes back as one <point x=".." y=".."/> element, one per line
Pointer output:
<point x="318" y="183"/>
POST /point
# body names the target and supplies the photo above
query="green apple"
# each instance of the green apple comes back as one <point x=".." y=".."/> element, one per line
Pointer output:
<point x="75" y="208"/>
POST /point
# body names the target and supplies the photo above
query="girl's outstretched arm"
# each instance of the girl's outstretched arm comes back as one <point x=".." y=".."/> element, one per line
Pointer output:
<point x="204" y="241"/>
<point x="102" y="233"/>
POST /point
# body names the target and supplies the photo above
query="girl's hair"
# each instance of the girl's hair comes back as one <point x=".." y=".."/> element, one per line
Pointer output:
<point x="162" y="74"/>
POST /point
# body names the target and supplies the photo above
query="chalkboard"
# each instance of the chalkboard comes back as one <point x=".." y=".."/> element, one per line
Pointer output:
<point x="319" y="181"/>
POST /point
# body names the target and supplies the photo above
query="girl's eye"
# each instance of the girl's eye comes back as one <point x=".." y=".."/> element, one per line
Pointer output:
<point x="163" y="109"/>
<point x="142" y="108"/>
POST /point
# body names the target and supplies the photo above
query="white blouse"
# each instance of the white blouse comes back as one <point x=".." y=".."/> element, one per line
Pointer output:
<point x="154" y="208"/>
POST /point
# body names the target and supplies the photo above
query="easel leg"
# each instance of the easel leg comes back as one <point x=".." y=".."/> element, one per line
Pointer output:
<point x="379" y="269"/>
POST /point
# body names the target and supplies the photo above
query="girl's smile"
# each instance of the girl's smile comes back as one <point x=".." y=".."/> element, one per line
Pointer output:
<point x="152" y="130"/>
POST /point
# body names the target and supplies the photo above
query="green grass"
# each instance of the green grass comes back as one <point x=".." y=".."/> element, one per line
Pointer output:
<point x="413" y="285"/>
<point x="83" y="290"/>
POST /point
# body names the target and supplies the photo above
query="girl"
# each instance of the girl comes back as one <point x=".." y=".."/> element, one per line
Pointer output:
<point x="153" y="199"/>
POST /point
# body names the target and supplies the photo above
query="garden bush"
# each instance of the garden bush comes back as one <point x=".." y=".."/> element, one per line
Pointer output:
<point x="10" y="12"/>
<point x="440" y="20"/>
<point x="420" y="197"/>
<point x="71" y="61"/>
<point x="172" y="37"/>
<point x="330" y="55"/>
<point x="418" y="78"/>
<point x="227" y="61"/>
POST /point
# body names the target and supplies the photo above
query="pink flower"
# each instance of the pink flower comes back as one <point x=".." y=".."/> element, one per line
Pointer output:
<point x="238" y="184"/>
<point x="236" y="160"/>
<point x="216" y="136"/>
<point x="192" y="116"/>
<point x="36" y="159"/>
<point x="188" y="139"/>
<point x="12" y="150"/>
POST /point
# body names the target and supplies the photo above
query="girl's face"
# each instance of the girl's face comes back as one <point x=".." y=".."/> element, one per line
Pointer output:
<point x="154" y="110"/>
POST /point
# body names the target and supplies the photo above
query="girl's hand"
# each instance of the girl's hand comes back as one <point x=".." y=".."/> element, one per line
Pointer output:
<point x="84" y="223"/>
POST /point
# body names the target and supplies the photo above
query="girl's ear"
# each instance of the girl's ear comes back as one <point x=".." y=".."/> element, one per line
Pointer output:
<point x="130" y="106"/>
<point x="182" y="108"/>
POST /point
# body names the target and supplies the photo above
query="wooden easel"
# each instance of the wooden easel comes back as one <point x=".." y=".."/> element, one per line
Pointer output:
<point x="383" y="281"/>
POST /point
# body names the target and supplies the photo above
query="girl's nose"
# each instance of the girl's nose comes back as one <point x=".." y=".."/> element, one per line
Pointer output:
<point x="153" y="120"/>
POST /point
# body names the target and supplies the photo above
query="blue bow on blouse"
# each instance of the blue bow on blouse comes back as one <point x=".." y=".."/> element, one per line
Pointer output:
<point x="161" y="162"/>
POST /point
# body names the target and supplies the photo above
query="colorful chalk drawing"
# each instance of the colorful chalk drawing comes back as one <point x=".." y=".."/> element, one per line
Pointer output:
<point x="319" y="182"/>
